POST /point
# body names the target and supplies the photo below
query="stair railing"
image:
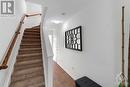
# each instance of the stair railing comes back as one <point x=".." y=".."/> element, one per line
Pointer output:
<point x="4" y="64"/>
<point x="35" y="14"/>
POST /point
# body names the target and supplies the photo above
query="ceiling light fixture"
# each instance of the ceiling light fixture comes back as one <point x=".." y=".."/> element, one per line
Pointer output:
<point x="56" y="21"/>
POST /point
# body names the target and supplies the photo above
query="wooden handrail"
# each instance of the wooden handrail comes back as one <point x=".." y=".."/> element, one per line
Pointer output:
<point x="29" y="15"/>
<point x="12" y="44"/>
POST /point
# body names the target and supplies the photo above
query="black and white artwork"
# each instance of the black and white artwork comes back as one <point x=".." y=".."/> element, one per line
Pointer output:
<point x="73" y="39"/>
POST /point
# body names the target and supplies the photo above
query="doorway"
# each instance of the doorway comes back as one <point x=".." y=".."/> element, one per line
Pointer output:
<point x="52" y="39"/>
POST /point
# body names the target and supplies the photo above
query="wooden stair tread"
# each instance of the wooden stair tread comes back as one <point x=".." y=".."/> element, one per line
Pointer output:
<point x="33" y="65"/>
<point x="28" y="44"/>
<point x="25" y="62"/>
<point x="26" y="35"/>
<point x="27" y="71"/>
<point x="27" y="55"/>
<point x="32" y="43"/>
<point x="27" y="39"/>
<point x="26" y="76"/>
<point x="25" y="49"/>
<point x="31" y="37"/>
<point x="37" y="46"/>
<point x="38" y="85"/>
<point x="31" y="32"/>
<point x="29" y="81"/>
<point x="29" y="58"/>
<point x="30" y="50"/>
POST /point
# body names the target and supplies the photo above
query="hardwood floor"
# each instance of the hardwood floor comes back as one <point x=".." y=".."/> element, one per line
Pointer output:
<point x="61" y="78"/>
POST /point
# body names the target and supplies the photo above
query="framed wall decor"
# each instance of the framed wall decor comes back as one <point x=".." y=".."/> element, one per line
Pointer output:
<point x="73" y="39"/>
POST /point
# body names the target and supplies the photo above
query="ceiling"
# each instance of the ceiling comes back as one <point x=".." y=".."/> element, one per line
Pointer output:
<point x="57" y="7"/>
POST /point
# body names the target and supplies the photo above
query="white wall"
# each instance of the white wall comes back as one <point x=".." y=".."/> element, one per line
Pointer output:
<point x="8" y="25"/>
<point x="100" y="59"/>
<point x="32" y="21"/>
<point x="33" y="8"/>
<point x="127" y="30"/>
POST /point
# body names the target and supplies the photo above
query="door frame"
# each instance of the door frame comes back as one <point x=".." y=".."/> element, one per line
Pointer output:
<point x="129" y="58"/>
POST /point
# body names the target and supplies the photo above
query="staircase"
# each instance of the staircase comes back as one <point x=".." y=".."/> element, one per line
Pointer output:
<point x="28" y="69"/>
